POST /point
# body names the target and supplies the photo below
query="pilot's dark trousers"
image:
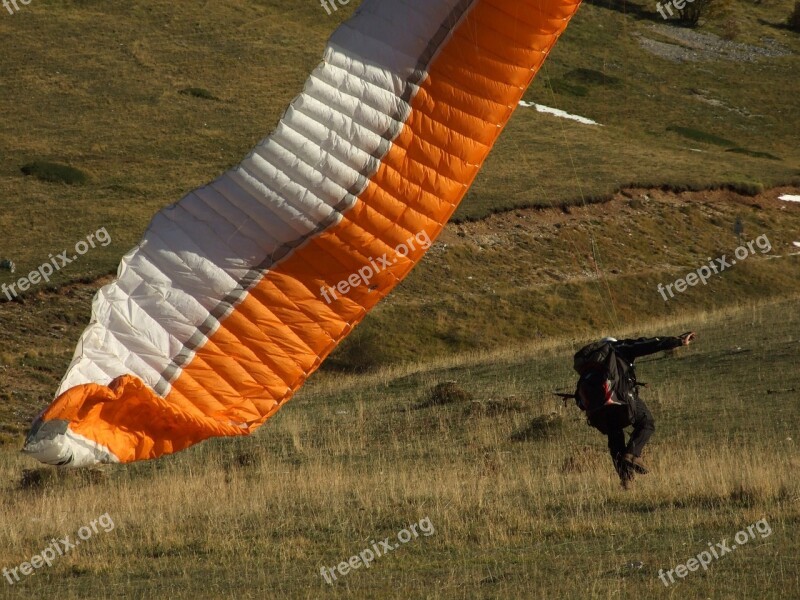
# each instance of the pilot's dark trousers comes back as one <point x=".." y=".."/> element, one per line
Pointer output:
<point x="643" y="427"/>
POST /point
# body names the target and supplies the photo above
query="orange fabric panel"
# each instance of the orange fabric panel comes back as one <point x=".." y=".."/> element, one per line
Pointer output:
<point x="111" y="416"/>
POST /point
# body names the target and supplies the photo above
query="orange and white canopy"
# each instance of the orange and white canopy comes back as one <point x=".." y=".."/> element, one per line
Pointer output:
<point x="238" y="292"/>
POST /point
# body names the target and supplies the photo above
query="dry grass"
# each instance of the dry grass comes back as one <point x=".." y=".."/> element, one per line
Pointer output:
<point x="353" y="460"/>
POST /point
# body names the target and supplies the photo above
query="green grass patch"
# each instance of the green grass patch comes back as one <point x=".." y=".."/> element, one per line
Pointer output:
<point x="53" y="172"/>
<point x="591" y="77"/>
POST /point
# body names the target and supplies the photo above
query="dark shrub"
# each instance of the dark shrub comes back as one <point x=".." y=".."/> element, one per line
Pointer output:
<point x="448" y="392"/>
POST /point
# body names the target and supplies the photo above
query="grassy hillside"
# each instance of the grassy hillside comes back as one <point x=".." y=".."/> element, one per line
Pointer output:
<point x="517" y="491"/>
<point x="110" y="93"/>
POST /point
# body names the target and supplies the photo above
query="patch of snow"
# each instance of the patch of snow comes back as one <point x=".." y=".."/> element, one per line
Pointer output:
<point x="789" y="198"/>
<point x="558" y="113"/>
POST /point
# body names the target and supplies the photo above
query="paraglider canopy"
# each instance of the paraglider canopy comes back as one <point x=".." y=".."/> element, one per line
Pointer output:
<point x="225" y="307"/>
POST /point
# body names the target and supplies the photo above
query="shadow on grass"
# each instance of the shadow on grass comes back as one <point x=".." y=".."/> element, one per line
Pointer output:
<point x="740" y="497"/>
<point x="51" y="172"/>
<point x="782" y="25"/>
<point x="43" y="479"/>
<point x="197" y="92"/>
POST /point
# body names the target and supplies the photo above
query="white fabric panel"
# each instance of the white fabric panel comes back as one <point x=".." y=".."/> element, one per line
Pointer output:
<point x="229" y="227"/>
<point x="391" y="33"/>
<point x="349" y="151"/>
<point x="196" y="256"/>
<point x="70" y="448"/>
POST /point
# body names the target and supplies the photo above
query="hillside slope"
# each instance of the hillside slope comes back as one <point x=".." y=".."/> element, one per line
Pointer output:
<point x="154" y="98"/>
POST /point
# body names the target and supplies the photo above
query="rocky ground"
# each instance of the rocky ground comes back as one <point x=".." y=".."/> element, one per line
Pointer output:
<point x="680" y="44"/>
